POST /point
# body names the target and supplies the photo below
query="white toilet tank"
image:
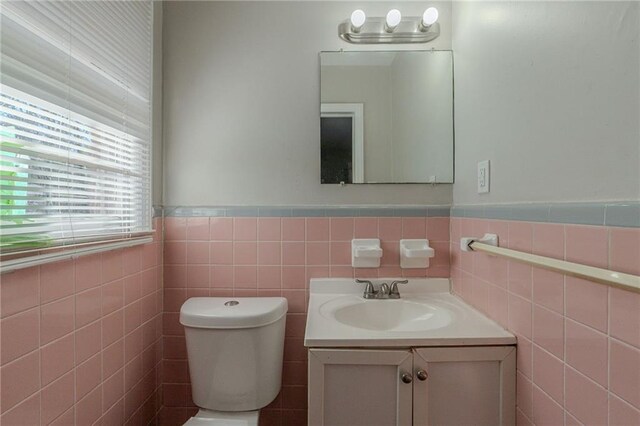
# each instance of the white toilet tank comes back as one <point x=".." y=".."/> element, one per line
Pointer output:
<point x="234" y="347"/>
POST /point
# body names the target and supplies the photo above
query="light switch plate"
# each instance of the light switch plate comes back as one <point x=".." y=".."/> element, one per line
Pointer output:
<point x="483" y="177"/>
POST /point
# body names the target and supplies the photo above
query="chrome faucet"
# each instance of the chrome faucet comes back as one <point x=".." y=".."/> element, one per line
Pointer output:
<point x="384" y="291"/>
<point x="393" y="291"/>
<point x="369" y="291"/>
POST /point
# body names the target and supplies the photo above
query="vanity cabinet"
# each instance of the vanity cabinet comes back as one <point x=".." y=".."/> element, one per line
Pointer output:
<point x="359" y="387"/>
<point x="418" y="386"/>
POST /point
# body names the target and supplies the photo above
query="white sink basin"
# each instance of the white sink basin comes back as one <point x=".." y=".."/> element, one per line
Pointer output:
<point x="386" y="315"/>
<point x="426" y="315"/>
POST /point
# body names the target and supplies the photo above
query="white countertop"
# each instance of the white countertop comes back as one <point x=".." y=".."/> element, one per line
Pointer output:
<point x="455" y="322"/>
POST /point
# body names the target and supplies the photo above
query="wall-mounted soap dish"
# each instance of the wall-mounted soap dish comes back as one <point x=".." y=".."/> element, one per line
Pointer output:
<point x="366" y="253"/>
<point x="415" y="253"/>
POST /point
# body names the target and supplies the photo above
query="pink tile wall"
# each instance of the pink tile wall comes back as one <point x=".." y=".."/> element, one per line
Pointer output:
<point x="273" y="257"/>
<point x="80" y="340"/>
<point x="578" y="341"/>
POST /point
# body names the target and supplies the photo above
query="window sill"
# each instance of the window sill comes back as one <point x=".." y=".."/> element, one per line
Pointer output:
<point x="28" y="261"/>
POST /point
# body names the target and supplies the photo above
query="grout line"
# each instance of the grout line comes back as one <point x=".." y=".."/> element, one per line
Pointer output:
<point x="564" y="340"/>
<point x="586" y="377"/>
<point x="548" y="396"/>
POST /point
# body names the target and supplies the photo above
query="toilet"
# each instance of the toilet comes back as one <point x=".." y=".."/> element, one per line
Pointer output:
<point x="234" y="348"/>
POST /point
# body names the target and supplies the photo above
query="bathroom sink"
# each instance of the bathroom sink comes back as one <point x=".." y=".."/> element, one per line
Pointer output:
<point x="386" y="315"/>
<point x="427" y="314"/>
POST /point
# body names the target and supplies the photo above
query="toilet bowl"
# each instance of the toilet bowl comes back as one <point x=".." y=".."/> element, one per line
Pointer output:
<point x="235" y="350"/>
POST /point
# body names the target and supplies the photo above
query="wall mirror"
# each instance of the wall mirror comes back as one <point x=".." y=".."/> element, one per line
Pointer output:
<point x="386" y="117"/>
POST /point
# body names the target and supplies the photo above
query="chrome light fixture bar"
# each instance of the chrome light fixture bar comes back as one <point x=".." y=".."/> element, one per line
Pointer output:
<point x="392" y="29"/>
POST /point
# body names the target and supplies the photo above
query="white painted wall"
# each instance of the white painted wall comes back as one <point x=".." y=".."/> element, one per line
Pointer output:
<point x="241" y="103"/>
<point x="550" y="93"/>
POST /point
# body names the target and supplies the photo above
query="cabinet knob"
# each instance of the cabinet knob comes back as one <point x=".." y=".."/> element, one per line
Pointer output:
<point x="406" y="378"/>
<point x="422" y="375"/>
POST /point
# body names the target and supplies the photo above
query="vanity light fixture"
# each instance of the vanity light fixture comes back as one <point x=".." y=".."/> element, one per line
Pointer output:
<point x="393" y="19"/>
<point x="358" y="18"/>
<point x="391" y="29"/>
<point x="429" y="17"/>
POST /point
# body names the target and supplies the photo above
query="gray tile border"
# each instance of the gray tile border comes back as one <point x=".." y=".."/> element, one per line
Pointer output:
<point x="307" y="212"/>
<point x="376" y="212"/>
<point x="310" y="211"/>
<point x="532" y="213"/>
<point x="410" y="211"/>
<point x="439" y="211"/>
<point x="579" y="213"/>
<point x="625" y="214"/>
<point x="274" y="212"/>
<point x="193" y="212"/>
<point x="242" y="212"/>
<point x="474" y="211"/>
<point x="457" y="211"/>
<point x="341" y="212"/>
<point x="498" y="212"/>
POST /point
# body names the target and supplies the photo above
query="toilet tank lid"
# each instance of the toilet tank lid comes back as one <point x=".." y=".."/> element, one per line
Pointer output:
<point x="232" y="312"/>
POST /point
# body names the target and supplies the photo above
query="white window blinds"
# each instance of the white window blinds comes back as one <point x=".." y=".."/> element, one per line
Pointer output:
<point x="74" y="122"/>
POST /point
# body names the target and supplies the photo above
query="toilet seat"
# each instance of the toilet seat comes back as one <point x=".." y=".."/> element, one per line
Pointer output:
<point x="224" y="418"/>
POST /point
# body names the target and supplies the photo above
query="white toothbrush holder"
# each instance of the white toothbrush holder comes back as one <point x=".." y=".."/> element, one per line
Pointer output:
<point x="415" y="253"/>
<point x="366" y="253"/>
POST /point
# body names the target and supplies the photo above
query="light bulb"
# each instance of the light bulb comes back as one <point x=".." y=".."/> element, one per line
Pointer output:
<point x="430" y="16"/>
<point x="357" y="19"/>
<point x="393" y="19"/>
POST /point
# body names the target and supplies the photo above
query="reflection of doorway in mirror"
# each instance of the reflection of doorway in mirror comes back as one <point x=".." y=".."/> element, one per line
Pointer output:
<point x="336" y="151"/>
<point x="342" y="143"/>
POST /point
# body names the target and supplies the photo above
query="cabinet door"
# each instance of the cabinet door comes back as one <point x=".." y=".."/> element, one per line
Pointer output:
<point x="464" y="386"/>
<point x="360" y="387"/>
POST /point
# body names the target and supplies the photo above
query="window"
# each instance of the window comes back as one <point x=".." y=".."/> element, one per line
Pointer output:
<point x="75" y="111"/>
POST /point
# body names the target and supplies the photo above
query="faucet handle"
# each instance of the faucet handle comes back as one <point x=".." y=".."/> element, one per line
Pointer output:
<point x="393" y="291"/>
<point x="369" y="290"/>
<point x="384" y="290"/>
